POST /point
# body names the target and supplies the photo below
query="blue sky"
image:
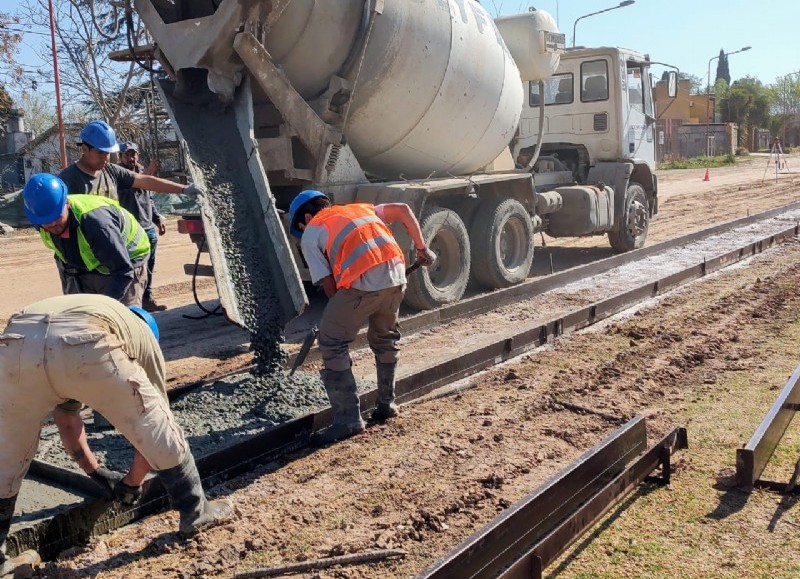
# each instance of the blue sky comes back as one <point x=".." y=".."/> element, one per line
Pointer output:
<point x="685" y="33"/>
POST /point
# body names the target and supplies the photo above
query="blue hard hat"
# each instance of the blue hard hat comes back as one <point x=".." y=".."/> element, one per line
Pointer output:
<point x="297" y="203"/>
<point x="100" y="135"/>
<point x="45" y="196"/>
<point x="148" y="319"/>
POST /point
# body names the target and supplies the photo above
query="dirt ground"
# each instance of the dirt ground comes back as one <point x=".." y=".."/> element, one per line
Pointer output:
<point x="687" y="204"/>
<point x="712" y="358"/>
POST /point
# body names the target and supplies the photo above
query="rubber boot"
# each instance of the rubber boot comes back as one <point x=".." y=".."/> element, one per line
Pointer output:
<point x="386" y="407"/>
<point x="343" y="395"/>
<point x="22" y="565"/>
<point x="187" y="497"/>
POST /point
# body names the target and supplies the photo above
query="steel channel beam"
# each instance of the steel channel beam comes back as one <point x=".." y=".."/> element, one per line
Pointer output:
<point x="90" y="519"/>
<point x="564" y="535"/>
<point x="753" y="458"/>
<point x="509" y="535"/>
<point x="532" y="533"/>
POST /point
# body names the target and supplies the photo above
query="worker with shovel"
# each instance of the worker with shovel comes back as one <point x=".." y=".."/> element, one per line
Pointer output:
<point x="93" y="348"/>
<point x="351" y="252"/>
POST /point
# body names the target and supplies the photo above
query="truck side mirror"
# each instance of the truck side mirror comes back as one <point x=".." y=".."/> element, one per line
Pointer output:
<point x="672" y="84"/>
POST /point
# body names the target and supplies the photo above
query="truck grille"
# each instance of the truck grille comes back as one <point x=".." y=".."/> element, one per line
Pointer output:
<point x="601" y="122"/>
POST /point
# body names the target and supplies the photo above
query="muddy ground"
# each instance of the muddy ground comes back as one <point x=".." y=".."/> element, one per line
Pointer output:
<point x="712" y="358"/>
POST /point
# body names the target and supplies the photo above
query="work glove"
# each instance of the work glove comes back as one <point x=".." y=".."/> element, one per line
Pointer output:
<point x="425" y="257"/>
<point x="127" y="494"/>
<point x="107" y="479"/>
<point x="193" y="190"/>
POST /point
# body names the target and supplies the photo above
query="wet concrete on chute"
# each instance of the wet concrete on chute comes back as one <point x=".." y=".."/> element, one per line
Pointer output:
<point x="241" y="406"/>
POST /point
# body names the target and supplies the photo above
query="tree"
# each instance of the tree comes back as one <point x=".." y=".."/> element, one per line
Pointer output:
<point x="695" y="82"/>
<point x="723" y="72"/>
<point x="748" y="104"/>
<point x="40" y="114"/>
<point x="9" y="41"/>
<point x="86" y="31"/>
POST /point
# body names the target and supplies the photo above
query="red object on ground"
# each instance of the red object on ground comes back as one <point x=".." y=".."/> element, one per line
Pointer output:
<point x="706" y="177"/>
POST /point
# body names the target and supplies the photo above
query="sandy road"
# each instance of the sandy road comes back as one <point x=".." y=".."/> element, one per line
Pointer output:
<point x="195" y="349"/>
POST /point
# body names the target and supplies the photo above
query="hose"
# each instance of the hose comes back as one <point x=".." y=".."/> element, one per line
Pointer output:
<point x="207" y="313"/>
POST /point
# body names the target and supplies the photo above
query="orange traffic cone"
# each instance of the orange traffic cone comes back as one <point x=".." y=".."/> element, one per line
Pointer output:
<point x="706" y="177"/>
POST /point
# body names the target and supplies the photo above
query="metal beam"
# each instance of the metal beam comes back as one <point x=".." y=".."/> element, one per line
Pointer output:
<point x="753" y="458"/>
<point x="530" y="534"/>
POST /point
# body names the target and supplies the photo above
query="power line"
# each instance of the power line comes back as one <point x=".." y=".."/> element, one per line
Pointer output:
<point x="19" y="31"/>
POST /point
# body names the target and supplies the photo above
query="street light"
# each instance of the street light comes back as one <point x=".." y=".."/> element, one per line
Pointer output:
<point x="620" y="5"/>
<point x="708" y="91"/>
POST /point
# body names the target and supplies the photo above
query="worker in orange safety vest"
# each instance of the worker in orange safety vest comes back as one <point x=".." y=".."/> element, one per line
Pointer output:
<point x="352" y="253"/>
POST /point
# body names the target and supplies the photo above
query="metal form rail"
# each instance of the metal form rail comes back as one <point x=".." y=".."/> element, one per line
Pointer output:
<point x="93" y="517"/>
<point x="752" y="459"/>
<point x="534" y="532"/>
<point x="488" y="301"/>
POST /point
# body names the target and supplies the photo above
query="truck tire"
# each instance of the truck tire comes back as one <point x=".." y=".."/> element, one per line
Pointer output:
<point x="501" y="236"/>
<point x="631" y="231"/>
<point x="445" y="281"/>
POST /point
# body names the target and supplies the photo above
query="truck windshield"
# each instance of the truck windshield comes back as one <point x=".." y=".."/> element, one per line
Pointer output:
<point x="558" y="89"/>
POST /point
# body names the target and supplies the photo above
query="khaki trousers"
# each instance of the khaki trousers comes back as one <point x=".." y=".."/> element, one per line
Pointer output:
<point x="46" y="359"/>
<point x="347" y="311"/>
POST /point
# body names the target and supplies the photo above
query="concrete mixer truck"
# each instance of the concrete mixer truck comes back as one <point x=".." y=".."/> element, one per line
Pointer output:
<point x="428" y="102"/>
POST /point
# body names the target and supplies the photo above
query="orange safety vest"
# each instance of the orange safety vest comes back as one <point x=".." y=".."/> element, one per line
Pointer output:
<point x="357" y="241"/>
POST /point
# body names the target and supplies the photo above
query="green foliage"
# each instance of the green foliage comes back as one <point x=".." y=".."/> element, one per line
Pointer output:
<point x="748" y="104"/>
<point x="696" y="83"/>
<point x="701" y="162"/>
<point x="723" y="71"/>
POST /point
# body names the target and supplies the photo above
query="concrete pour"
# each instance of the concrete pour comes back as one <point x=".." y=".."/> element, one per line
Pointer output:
<point x="244" y="405"/>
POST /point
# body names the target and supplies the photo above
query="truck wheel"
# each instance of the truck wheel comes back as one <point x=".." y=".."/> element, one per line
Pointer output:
<point x="445" y="281"/>
<point x="632" y="229"/>
<point x="502" y="243"/>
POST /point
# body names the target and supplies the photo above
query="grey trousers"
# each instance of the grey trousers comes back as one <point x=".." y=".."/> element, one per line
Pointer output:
<point x="347" y="311"/>
<point x="96" y="283"/>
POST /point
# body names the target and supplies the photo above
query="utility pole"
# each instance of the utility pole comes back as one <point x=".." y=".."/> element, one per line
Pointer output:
<point x="61" y="143"/>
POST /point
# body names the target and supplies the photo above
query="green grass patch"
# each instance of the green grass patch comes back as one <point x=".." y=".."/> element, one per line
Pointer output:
<point x="700" y="162"/>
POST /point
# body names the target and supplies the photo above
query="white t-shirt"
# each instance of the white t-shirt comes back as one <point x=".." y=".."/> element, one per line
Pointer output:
<point x="382" y="276"/>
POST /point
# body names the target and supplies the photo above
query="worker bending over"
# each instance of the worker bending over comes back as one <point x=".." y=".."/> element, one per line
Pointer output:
<point x="94" y="349"/>
<point x="101" y="246"/>
<point x="351" y="252"/>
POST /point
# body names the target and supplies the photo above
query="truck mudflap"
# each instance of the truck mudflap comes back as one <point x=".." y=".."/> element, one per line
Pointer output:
<point x="256" y="275"/>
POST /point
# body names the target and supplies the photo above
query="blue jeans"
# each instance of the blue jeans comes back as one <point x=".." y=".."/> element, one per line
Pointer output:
<point x="152" y="235"/>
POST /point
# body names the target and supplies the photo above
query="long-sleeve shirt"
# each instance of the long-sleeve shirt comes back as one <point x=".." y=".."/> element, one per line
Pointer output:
<point x="102" y="229"/>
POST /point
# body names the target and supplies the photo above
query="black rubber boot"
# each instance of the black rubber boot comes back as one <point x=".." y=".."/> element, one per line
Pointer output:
<point x="386" y="407"/>
<point x="22" y="563"/>
<point x="343" y="395"/>
<point x="187" y="497"/>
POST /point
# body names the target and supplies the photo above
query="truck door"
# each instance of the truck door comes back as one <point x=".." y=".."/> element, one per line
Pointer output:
<point x="637" y="132"/>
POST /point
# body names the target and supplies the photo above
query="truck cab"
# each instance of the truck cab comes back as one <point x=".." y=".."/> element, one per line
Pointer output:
<point x="599" y="124"/>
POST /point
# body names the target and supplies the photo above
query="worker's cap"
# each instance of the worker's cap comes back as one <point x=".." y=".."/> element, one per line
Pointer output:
<point x="128" y="146"/>
<point x="100" y="135"/>
<point x="44" y="196"/>
<point x="296" y="204"/>
<point x="148" y="319"/>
